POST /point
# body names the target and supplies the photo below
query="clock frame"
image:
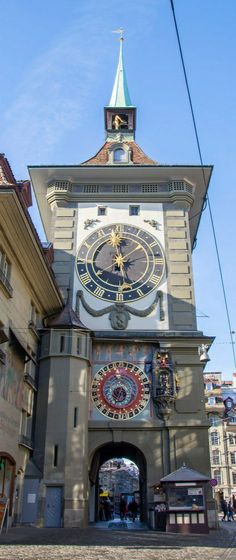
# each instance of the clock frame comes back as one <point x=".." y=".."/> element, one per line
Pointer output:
<point x="120" y="263"/>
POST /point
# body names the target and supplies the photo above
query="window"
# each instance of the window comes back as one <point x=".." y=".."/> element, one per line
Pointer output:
<point x="232" y="439"/>
<point x="233" y="457"/>
<point x="5" y="272"/>
<point x="102" y="210"/>
<point x="216" y="457"/>
<point x="214" y="420"/>
<point x="78" y="345"/>
<point x="34" y="316"/>
<point x="214" y="438"/>
<point x="232" y="419"/>
<point x="120" y="155"/>
<point x="134" y="210"/>
<point x="234" y="478"/>
<point x="209" y="386"/>
<point x="62" y="343"/>
<point x="75" y="417"/>
<point x="55" y="455"/>
<point x="229" y="403"/>
<point x="211" y="400"/>
<point x="217" y="476"/>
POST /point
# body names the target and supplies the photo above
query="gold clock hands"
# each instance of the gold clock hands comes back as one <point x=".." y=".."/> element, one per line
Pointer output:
<point x="118" y="261"/>
<point x="133" y="250"/>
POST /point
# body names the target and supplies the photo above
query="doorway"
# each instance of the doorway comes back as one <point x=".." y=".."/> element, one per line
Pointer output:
<point x="118" y="452"/>
<point x="53" y="506"/>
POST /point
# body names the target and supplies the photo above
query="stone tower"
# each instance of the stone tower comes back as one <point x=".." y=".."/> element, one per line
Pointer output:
<point x="123" y="227"/>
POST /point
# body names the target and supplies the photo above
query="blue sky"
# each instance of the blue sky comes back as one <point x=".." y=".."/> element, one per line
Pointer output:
<point x="58" y="65"/>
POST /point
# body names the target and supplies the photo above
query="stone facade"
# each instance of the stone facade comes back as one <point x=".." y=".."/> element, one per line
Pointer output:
<point x="119" y="371"/>
<point x="27" y="292"/>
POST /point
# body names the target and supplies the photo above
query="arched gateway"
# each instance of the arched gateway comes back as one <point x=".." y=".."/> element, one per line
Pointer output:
<point x="113" y="450"/>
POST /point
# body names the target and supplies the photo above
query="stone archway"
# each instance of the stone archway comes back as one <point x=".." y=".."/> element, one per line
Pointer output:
<point x="118" y="450"/>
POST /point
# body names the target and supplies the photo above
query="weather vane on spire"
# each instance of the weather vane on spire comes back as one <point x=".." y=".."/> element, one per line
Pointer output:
<point x="121" y="33"/>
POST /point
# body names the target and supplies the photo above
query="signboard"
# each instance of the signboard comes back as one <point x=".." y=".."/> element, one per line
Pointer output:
<point x="213" y="482"/>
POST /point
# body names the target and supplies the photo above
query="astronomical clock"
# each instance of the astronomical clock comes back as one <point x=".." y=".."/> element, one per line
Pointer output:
<point x="120" y="390"/>
<point x="120" y="263"/>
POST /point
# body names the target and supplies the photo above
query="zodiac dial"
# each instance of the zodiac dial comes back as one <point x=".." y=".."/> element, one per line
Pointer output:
<point x="120" y="263"/>
<point x="120" y="390"/>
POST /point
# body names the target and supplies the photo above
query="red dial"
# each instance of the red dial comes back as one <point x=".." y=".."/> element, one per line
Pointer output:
<point x="120" y="390"/>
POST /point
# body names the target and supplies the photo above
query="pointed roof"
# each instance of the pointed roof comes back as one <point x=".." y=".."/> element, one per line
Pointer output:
<point x="66" y="318"/>
<point x="185" y="474"/>
<point x="120" y="96"/>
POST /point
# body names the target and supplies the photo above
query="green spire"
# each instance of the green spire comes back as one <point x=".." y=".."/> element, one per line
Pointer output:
<point x="120" y="94"/>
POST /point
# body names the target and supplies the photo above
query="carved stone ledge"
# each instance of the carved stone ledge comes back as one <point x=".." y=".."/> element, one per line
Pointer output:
<point x="119" y="313"/>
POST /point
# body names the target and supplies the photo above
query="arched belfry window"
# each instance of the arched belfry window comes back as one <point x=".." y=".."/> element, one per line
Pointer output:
<point x="120" y="155"/>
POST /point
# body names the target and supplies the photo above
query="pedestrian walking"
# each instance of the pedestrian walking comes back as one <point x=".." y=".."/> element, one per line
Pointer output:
<point x="224" y="508"/>
<point x="230" y="512"/>
<point x="234" y="502"/>
<point x="133" y="509"/>
<point x="123" y="508"/>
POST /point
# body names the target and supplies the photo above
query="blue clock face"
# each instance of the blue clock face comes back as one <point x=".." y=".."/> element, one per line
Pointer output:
<point x="120" y="390"/>
<point x="120" y="263"/>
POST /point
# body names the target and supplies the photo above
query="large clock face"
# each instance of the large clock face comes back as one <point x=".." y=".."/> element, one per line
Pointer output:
<point x="120" y="390"/>
<point x="120" y="262"/>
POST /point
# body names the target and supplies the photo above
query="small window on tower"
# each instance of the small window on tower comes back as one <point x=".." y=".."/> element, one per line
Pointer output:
<point x="102" y="210"/>
<point x="120" y="155"/>
<point x="134" y="210"/>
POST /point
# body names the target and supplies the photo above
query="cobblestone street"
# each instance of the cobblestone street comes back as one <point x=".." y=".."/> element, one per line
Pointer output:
<point x="95" y="544"/>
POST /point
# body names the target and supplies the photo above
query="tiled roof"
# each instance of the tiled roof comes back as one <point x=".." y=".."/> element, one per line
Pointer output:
<point x="65" y="318"/>
<point x="184" y="474"/>
<point x="6" y="175"/>
<point x="138" y="156"/>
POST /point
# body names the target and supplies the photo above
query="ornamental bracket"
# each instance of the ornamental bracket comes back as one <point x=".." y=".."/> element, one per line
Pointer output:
<point x="119" y="313"/>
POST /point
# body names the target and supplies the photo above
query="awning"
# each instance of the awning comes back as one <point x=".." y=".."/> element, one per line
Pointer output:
<point x="20" y="347"/>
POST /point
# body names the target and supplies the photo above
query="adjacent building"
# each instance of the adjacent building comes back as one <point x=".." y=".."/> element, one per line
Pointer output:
<point x="27" y="292"/>
<point x="220" y="398"/>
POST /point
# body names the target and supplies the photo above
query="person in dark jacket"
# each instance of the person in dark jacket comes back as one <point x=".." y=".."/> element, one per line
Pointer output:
<point x="224" y="508"/>
<point x="133" y="509"/>
<point x="123" y="508"/>
<point x="230" y="511"/>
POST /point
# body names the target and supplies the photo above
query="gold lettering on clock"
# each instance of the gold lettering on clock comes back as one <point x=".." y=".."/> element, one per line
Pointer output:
<point x="85" y="278"/>
<point x="99" y="292"/>
<point x="155" y="279"/>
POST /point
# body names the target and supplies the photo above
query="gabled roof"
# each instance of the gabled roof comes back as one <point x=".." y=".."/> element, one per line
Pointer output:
<point x="138" y="156"/>
<point x="184" y="474"/>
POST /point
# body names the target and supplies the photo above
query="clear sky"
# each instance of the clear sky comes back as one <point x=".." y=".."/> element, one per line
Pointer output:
<point x="58" y="63"/>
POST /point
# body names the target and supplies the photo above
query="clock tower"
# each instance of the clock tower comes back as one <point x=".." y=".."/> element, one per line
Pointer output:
<point x="119" y="372"/>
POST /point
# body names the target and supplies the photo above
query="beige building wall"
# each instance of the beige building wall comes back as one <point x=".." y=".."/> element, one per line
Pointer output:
<point x="22" y="308"/>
